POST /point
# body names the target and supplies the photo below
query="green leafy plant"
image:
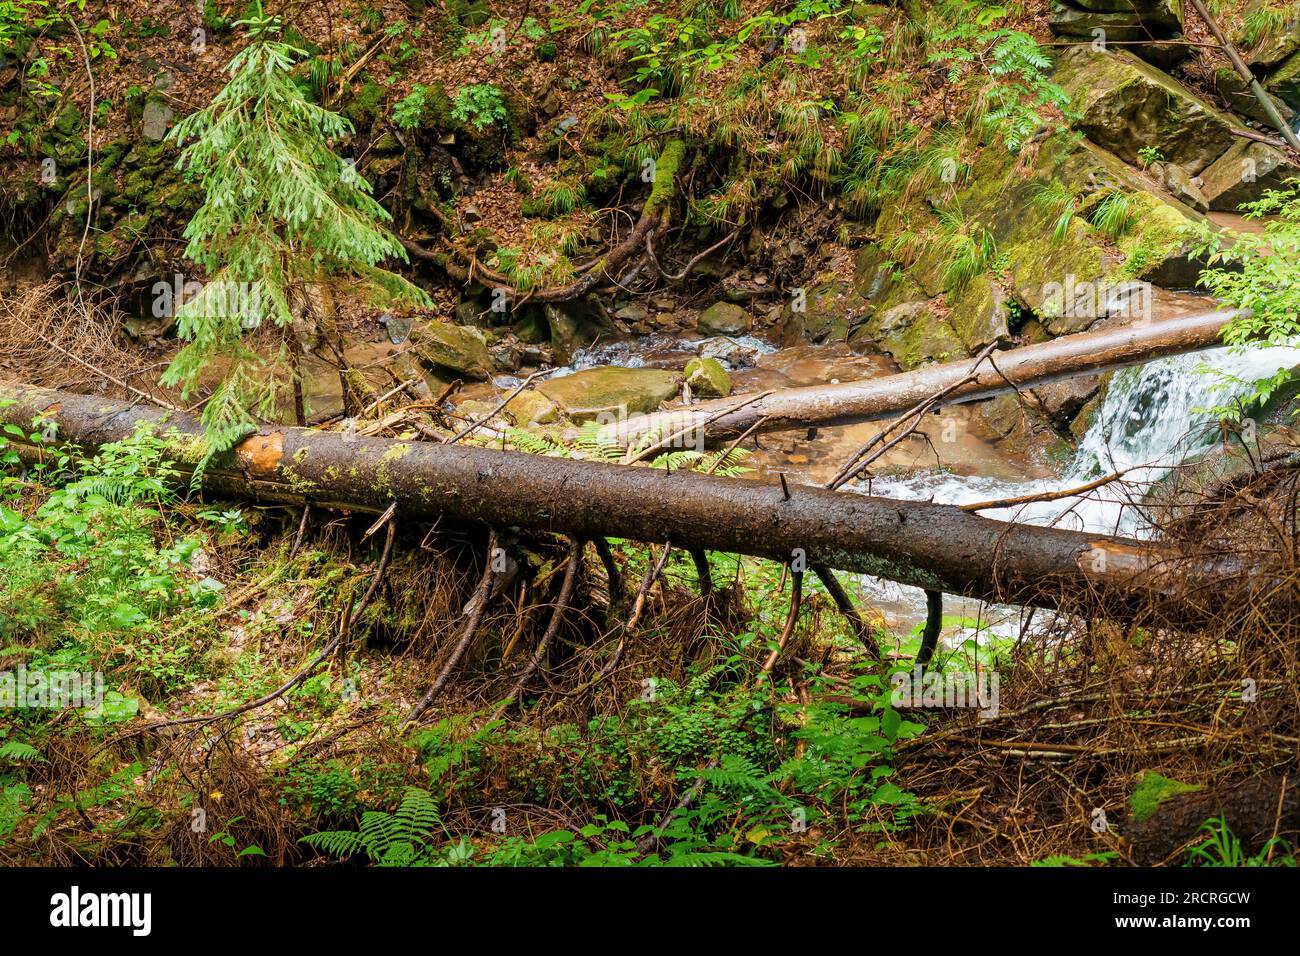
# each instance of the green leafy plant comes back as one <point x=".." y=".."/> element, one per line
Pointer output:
<point x="479" y="105"/>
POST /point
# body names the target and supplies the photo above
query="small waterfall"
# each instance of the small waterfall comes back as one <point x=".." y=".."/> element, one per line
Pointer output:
<point x="1150" y="421"/>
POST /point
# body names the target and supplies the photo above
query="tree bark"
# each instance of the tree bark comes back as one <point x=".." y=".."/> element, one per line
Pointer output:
<point x="850" y="402"/>
<point x="937" y="547"/>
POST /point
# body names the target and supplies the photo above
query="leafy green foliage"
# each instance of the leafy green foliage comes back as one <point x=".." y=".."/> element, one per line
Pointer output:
<point x="1259" y="272"/>
<point x="478" y="105"/>
<point x="91" y="575"/>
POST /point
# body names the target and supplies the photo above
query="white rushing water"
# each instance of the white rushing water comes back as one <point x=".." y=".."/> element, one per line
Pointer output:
<point x="1151" y="419"/>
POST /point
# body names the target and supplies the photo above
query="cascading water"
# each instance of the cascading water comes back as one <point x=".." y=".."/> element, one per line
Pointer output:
<point x="1152" y="419"/>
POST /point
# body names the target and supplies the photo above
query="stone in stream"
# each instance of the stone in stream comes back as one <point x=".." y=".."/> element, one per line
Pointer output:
<point x="724" y="318"/>
<point x="1126" y="105"/>
<point x="1244" y="172"/>
<point x="531" y="408"/>
<point x="707" y="378"/>
<point x="455" y="348"/>
<point x="611" y="390"/>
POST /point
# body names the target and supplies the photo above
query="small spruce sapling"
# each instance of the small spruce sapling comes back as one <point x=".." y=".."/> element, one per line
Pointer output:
<point x="282" y="213"/>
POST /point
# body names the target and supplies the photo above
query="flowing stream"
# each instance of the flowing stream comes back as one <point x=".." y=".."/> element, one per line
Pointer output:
<point x="1153" y="417"/>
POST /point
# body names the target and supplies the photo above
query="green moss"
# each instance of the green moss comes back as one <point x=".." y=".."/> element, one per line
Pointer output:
<point x="666" y="167"/>
<point x="1152" y="790"/>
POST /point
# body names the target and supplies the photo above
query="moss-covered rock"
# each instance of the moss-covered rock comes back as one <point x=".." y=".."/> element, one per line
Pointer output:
<point x="913" y="333"/>
<point x="455" y="348"/>
<point x="1284" y="82"/>
<point x="1126" y="105"/>
<point x="706" y="377"/>
<point x="531" y="408"/>
<point x="825" y="313"/>
<point x="610" y="390"/>
<point x="724" y="318"/>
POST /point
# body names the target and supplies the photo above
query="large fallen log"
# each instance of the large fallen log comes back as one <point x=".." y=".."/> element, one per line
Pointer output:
<point x="968" y="380"/>
<point x="939" y="547"/>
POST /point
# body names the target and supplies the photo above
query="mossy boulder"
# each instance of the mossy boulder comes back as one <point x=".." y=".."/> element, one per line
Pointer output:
<point x="1123" y="22"/>
<point x="724" y="318"/>
<point x="1125" y="105"/>
<point x="1284" y="82"/>
<point x="826" y="313"/>
<point x="454" y="348"/>
<point x="531" y="408"/>
<point x="610" y="390"/>
<point x="707" y="377"/>
<point x="913" y="333"/>
<point x="571" y="326"/>
<point x="977" y="312"/>
<point x="1239" y="97"/>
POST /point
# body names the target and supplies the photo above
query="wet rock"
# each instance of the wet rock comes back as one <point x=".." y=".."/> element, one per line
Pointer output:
<point x="825" y="313"/>
<point x="1126" y="104"/>
<point x="531" y="408"/>
<point x="571" y="328"/>
<point x="507" y="356"/>
<point x="610" y="390"/>
<point x="397" y="327"/>
<point x="1244" y="172"/>
<point x="729" y="352"/>
<point x="708" y="378"/>
<point x="1183" y="186"/>
<point x="724" y="318"/>
<point x="1064" y="400"/>
<point x="455" y="348"/>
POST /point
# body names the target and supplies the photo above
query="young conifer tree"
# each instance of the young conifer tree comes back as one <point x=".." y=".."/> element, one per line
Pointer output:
<point x="281" y="212"/>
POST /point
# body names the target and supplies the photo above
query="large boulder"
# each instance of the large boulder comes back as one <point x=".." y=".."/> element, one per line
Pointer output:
<point x="1119" y="21"/>
<point x="610" y="390"/>
<point x="454" y="348"/>
<point x="1126" y="105"/>
<point x="724" y="318"/>
<point x="1244" y="172"/>
<point x="1284" y="82"/>
<point x="1239" y="96"/>
<point x="825" y="313"/>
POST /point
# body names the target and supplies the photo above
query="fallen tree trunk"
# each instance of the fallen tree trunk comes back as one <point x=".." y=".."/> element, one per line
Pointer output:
<point x="851" y="402"/>
<point x="938" y="547"/>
